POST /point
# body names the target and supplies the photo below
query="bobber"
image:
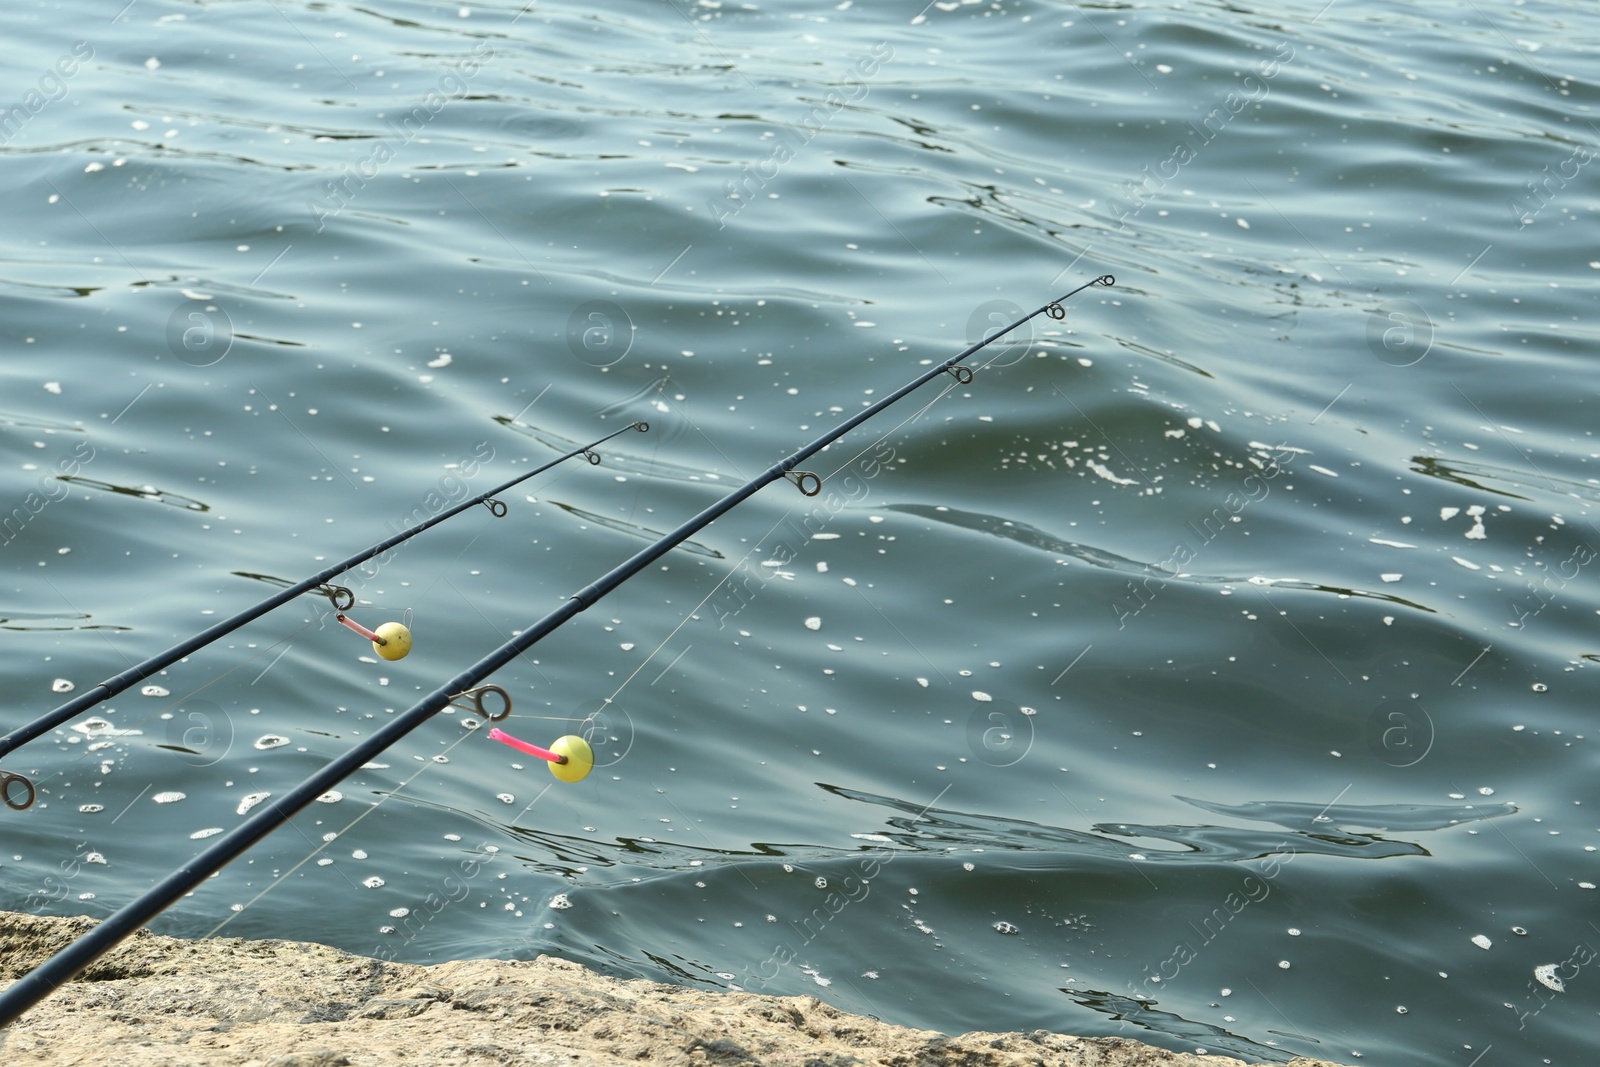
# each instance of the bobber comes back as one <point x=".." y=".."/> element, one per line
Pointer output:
<point x="570" y="757"/>
<point x="391" y="641"/>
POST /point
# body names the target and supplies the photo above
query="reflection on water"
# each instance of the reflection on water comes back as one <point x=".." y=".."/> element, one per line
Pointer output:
<point x="143" y="492"/>
<point x="1485" y="477"/>
<point x="1313" y="830"/>
<point x="632" y="529"/>
<point x="30" y="620"/>
<point x="1033" y="537"/>
<point x="1201" y="1036"/>
<point x="1376" y="816"/>
<point x="1316" y="831"/>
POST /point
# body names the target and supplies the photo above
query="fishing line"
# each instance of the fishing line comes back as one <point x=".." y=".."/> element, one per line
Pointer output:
<point x="309" y="856"/>
<point x="45" y="978"/>
<point x="695" y="426"/>
<point x="33" y="784"/>
<point x="691" y="613"/>
<point x="608" y="701"/>
<point x="923" y="410"/>
<point x="384" y="798"/>
<point x="17" y="792"/>
<point x="821" y="481"/>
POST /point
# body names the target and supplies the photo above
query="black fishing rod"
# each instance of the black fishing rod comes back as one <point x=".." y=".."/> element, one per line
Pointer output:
<point x="391" y="640"/>
<point x="60" y="968"/>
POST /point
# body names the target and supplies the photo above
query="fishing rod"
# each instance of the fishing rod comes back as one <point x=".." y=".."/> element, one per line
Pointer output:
<point x="570" y="759"/>
<point x="391" y="641"/>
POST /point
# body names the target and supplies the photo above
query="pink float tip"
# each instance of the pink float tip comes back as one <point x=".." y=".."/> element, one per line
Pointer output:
<point x="523" y="746"/>
<point x="350" y="623"/>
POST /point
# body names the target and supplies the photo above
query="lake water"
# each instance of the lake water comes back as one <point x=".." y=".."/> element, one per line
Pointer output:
<point x="1216" y="668"/>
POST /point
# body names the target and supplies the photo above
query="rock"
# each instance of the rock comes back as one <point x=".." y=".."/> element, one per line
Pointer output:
<point x="315" y="1058"/>
<point x="161" y="1002"/>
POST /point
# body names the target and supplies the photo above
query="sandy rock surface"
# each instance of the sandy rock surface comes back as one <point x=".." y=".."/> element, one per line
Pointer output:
<point x="162" y="1002"/>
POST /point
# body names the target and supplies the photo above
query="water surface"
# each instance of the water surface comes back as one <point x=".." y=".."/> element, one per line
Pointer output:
<point x="1209" y="670"/>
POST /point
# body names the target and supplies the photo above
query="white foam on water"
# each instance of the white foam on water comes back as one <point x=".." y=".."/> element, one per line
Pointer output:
<point x="251" y="800"/>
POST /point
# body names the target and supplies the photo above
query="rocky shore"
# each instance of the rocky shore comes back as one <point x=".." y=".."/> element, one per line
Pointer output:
<point x="163" y="1002"/>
